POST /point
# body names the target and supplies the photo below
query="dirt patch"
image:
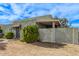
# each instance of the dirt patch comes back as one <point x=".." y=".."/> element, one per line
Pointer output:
<point x="17" y="48"/>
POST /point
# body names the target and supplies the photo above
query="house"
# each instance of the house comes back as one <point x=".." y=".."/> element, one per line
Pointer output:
<point x="50" y="29"/>
<point x="18" y="25"/>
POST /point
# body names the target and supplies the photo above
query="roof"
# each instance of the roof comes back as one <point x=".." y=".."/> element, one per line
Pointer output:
<point x="45" y="18"/>
<point x="48" y="21"/>
<point x="33" y="18"/>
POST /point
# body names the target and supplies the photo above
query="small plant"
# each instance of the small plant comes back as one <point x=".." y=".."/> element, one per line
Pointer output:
<point x="1" y="33"/>
<point x="30" y="33"/>
<point x="9" y="35"/>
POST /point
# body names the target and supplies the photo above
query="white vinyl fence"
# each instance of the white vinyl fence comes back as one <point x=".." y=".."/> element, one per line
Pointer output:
<point x="59" y="35"/>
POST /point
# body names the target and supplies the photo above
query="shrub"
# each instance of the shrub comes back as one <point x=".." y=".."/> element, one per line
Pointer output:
<point x="1" y="33"/>
<point x="9" y="35"/>
<point x="30" y="34"/>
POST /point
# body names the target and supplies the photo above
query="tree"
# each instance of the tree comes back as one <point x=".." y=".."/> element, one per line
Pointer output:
<point x="64" y="22"/>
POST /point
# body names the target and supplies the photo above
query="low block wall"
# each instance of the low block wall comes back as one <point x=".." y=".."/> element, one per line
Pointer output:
<point x="59" y="35"/>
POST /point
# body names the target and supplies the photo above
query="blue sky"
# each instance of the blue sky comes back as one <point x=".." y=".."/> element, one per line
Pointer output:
<point x="16" y="11"/>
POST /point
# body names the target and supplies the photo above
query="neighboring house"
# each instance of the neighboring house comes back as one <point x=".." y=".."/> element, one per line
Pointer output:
<point x="50" y="29"/>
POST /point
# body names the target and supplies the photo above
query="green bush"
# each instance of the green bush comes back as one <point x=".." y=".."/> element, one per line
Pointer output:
<point x="30" y="34"/>
<point x="9" y="35"/>
<point x="1" y="33"/>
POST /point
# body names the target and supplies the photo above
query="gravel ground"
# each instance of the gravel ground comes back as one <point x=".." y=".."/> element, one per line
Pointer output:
<point x="17" y="48"/>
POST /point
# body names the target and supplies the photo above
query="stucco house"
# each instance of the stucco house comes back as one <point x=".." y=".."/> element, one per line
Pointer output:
<point x="16" y="26"/>
<point x="50" y="29"/>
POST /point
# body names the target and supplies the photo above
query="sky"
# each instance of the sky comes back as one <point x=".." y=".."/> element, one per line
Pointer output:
<point x="10" y="12"/>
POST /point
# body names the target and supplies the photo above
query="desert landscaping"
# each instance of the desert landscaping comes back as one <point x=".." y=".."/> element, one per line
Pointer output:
<point x="18" y="48"/>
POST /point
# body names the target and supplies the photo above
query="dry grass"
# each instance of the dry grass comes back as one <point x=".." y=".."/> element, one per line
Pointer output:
<point x="17" y="48"/>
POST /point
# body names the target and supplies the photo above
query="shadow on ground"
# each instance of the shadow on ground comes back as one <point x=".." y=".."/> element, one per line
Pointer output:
<point x="2" y="48"/>
<point x="49" y="45"/>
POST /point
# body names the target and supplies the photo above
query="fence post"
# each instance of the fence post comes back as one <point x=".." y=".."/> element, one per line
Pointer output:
<point x="73" y="35"/>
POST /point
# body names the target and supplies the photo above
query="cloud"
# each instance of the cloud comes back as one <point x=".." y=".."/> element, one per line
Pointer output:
<point x="66" y="10"/>
<point x="16" y="11"/>
<point x="75" y="25"/>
